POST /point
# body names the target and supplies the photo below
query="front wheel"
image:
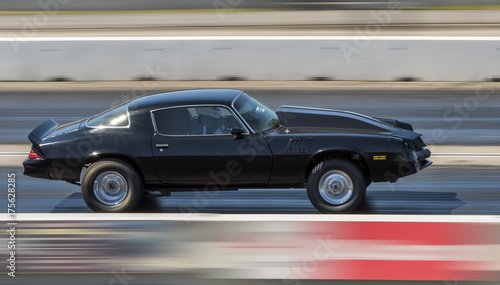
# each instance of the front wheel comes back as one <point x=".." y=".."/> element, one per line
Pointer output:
<point x="111" y="186"/>
<point x="336" y="186"/>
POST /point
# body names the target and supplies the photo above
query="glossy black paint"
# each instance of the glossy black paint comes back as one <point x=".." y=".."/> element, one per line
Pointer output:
<point x="199" y="159"/>
<point x="384" y="149"/>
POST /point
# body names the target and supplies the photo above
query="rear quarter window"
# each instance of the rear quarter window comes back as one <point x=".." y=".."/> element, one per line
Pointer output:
<point x="115" y="117"/>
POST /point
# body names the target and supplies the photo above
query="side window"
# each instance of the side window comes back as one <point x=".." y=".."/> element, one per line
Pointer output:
<point x="202" y="120"/>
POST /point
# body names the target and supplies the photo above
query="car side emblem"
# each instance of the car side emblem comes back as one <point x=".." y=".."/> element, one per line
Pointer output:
<point x="287" y="131"/>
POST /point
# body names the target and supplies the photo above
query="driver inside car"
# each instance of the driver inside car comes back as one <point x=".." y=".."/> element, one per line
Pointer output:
<point x="211" y="121"/>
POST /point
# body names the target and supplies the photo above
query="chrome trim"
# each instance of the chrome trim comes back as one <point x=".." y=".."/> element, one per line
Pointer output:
<point x="190" y="106"/>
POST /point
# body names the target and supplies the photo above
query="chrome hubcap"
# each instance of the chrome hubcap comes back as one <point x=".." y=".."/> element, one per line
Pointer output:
<point x="110" y="188"/>
<point x="335" y="187"/>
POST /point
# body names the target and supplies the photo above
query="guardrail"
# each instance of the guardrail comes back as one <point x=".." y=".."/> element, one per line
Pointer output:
<point x="363" y="58"/>
<point x="280" y="247"/>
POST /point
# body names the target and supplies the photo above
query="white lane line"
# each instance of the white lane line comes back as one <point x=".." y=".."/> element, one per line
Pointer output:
<point x="30" y="119"/>
<point x="13" y="154"/>
<point x="335" y="3"/>
<point x="188" y="38"/>
<point x="467" y="155"/>
<point x="250" y="217"/>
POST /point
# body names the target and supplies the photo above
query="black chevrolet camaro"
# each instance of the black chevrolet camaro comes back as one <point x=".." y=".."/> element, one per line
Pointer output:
<point x="219" y="139"/>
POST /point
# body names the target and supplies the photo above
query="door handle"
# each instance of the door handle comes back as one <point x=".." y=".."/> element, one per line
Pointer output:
<point x="162" y="145"/>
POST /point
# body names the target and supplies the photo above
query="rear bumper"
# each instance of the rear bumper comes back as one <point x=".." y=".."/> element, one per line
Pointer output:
<point x="36" y="168"/>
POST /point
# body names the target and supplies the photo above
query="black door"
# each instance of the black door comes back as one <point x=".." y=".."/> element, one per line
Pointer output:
<point x="194" y="145"/>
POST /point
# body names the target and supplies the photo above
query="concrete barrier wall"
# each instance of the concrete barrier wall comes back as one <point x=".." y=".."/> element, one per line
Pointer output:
<point x="250" y="58"/>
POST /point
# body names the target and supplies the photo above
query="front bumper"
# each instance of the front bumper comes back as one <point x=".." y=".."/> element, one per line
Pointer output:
<point x="36" y="168"/>
<point x="400" y="164"/>
<point x="420" y="159"/>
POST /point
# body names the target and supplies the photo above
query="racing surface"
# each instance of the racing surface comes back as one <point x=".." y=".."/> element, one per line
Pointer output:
<point x="438" y="190"/>
<point x="462" y="128"/>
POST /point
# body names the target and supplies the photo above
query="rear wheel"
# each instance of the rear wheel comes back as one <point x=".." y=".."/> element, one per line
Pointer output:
<point x="111" y="185"/>
<point x="336" y="186"/>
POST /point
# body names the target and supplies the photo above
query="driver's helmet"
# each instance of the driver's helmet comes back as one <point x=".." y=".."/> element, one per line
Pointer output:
<point x="212" y="112"/>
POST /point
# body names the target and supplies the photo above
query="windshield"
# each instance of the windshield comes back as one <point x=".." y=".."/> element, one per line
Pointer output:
<point x="115" y="117"/>
<point x="258" y="116"/>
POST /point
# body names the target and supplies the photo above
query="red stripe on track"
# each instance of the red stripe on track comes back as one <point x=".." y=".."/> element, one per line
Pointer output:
<point x="421" y="233"/>
<point x="426" y="270"/>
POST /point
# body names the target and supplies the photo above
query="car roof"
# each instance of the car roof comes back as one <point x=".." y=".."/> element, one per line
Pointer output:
<point x="185" y="97"/>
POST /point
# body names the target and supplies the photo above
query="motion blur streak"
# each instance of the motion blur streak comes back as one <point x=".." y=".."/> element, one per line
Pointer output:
<point x="287" y="247"/>
<point x="124" y="5"/>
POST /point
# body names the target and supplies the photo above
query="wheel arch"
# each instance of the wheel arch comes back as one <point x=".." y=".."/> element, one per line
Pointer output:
<point x="125" y="158"/>
<point x="353" y="156"/>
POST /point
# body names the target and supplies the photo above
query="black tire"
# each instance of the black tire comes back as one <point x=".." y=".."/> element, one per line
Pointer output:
<point x="338" y="168"/>
<point x="120" y="171"/>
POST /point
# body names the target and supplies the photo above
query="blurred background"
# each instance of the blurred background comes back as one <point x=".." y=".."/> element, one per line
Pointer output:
<point x="125" y="5"/>
<point x="434" y="63"/>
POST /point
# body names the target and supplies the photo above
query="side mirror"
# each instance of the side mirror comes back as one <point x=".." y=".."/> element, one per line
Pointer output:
<point x="237" y="133"/>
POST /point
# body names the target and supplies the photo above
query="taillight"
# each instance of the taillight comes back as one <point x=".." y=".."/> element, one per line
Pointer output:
<point x="34" y="155"/>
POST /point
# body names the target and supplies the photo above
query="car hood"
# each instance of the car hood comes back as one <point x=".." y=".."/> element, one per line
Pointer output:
<point x="317" y="119"/>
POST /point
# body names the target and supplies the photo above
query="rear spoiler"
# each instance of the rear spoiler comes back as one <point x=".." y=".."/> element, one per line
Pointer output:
<point x="41" y="131"/>
<point x="397" y="123"/>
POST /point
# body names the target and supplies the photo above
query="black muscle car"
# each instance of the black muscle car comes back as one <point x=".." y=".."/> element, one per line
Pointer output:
<point x="221" y="139"/>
